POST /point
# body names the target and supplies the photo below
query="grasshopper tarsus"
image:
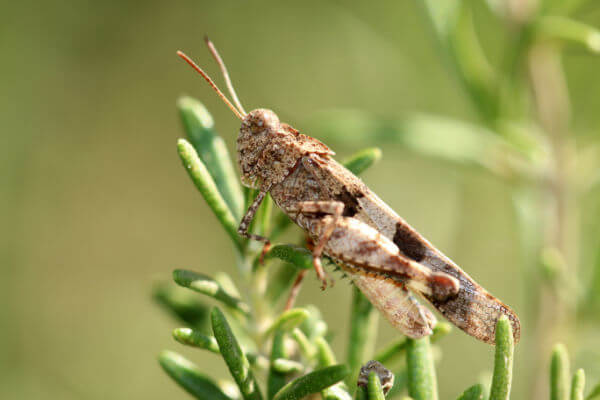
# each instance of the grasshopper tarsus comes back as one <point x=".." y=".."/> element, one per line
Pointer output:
<point x="321" y="274"/>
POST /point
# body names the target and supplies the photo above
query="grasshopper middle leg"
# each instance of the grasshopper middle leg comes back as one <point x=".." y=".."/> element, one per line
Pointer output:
<point x="317" y="209"/>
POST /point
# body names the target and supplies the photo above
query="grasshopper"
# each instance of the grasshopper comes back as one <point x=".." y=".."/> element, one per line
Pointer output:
<point x="385" y="257"/>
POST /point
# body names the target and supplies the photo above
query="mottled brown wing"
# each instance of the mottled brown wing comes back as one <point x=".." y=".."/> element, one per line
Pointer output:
<point x="473" y="309"/>
<point x="397" y="305"/>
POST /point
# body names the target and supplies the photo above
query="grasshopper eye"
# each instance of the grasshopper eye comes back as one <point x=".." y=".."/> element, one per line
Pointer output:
<point x="262" y="120"/>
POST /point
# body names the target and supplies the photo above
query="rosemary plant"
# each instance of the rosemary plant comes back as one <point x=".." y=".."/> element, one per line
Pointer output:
<point x="277" y="352"/>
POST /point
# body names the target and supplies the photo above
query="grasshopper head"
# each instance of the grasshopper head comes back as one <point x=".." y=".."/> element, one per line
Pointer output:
<point x="259" y="129"/>
<point x="267" y="149"/>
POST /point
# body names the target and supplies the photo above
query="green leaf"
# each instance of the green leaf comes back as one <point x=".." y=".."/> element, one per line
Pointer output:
<point x="422" y="384"/>
<point x="578" y="385"/>
<point x="374" y="387"/>
<point x="392" y="352"/>
<point x="314" y="326"/>
<point x="288" y="320"/>
<point x="455" y="31"/>
<point x="503" y="360"/>
<point x="335" y="392"/>
<point x="312" y="383"/>
<point x="189" y="377"/>
<point x="434" y="136"/>
<point x="559" y="373"/>
<point x="568" y="30"/>
<point x="276" y="379"/>
<point x="361" y="161"/>
<point x="194" y="338"/>
<point x="595" y="393"/>
<point x="236" y="360"/>
<point x="361" y="393"/>
<point x="208" y="286"/>
<point x="285" y="366"/>
<point x="208" y="189"/>
<point x="363" y="333"/>
<point x="306" y="347"/>
<point x="326" y="358"/>
<point x="211" y="149"/>
<point x="325" y="355"/>
<point x="475" y="392"/>
<point x="182" y="304"/>
<point x="295" y="255"/>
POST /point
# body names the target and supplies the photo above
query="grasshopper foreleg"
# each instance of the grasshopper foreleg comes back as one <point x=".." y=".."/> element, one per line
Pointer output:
<point x="247" y="219"/>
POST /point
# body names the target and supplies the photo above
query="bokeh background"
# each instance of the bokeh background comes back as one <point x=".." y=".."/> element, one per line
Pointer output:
<point x="96" y="206"/>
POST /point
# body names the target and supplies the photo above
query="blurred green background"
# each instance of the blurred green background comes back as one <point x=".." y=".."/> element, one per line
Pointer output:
<point x="96" y="206"/>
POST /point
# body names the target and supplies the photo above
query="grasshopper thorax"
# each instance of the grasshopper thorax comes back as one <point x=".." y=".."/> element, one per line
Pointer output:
<point x="268" y="150"/>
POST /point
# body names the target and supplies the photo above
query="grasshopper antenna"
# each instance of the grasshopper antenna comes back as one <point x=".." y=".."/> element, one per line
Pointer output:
<point x="212" y="84"/>
<point x="219" y="60"/>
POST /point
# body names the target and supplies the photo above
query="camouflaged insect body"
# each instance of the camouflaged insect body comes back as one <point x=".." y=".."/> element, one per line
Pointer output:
<point x="384" y="255"/>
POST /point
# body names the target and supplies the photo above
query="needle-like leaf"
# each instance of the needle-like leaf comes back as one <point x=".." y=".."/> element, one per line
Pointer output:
<point x="313" y="382"/>
<point x="288" y="320"/>
<point x="569" y="30"/>
<point x="503" y="361"/>
<point x="285" y="366"/>
<point x="325" y="355"/>
<point x="392" y="352"/>
<point x="234" y="357"/>
<point x="361" y="161"/>
<point x="307" y="349"/>
<point x="559" y="373"/>
<point x="276" y="379"/>
<point x="184" y="305"/>
<point x="208" y="189"/>
<point x="595" y="393"/>
<point x="208" y="286"/>
<point x="295" y="255"/>
<point x="211" y="149"/>
<point x="374" y="387"/>
<point x="475" y="392"/>
<point x="194" y="338"/>
<point x="189" y="377"/>
<point x="578" y="385"/>
<point x="422" y="383"/>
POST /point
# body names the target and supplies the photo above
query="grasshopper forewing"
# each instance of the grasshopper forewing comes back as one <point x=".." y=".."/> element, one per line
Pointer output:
<point x="384" y="256"/>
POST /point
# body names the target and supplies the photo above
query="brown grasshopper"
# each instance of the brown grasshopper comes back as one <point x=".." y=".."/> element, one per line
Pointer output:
<point x="384" y="256"/>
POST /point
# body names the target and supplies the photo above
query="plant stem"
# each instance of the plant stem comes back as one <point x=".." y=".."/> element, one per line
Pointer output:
<point x="552" y="103"/>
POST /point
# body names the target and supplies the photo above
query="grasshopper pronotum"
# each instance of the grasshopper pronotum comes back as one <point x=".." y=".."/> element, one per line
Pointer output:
<point x="384" y="256"/>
